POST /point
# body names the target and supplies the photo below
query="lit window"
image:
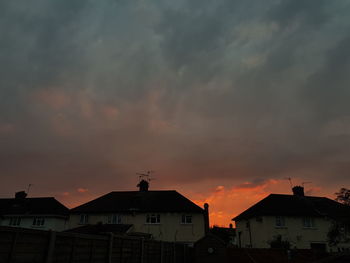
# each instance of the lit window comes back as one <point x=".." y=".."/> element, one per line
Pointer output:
<point x="280" y="222"/>
<point x="186" y="219"/>
<point x="84" y="219"/>
<point x="38" y="221"/>
<point x="114" y="219"/>
<point x="15" y="221"/>
<point x="153" y="219"/>
<point x="308" y="222"/>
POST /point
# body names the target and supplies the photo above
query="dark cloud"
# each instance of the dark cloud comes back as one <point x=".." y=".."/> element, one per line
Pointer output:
<point x="236" y="91"/>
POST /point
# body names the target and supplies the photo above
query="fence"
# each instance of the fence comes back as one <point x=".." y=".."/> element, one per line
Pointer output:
<point x="24" y="245"/>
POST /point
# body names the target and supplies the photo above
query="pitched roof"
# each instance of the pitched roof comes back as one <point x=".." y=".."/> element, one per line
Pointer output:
<point x="32" y="206"/>
<point x="139" y="201"/>
<point x="292" y="205"/>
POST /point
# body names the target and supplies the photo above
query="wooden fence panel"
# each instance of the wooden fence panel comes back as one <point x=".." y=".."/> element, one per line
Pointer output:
<point x="6" y="241"/>
<point x="23" y="246"/>
<point x="131" y="251"/>
<point x="168" y="253"/>
<point x="63" y="249"/>
<point x="101" y="250"/>
<point x="30" y="247"/>
<point x="152" y="252"/>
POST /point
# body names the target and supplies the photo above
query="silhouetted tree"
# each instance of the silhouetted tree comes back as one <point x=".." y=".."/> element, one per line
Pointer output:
<point x="343" y="196"/>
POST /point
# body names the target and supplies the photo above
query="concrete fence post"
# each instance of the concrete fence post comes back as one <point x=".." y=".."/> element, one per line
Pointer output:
<point x="142" y="250"/>
<point x="13" y="247"/>
<point x="110" y="248"/>
<point x="51" y="247"/>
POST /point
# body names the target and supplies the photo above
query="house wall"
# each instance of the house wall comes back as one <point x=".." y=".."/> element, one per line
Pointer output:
<point x="51" y="223"/>
<point x="170" y="227"/>
<point x="264" y="231"/>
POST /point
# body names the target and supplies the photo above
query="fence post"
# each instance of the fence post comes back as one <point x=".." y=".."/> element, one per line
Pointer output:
<point x="71" y="258"/>
<point x="110" y="247"/>
<point x="161" y="252"/>
<point x="184" y="258"/>
<point x="13" y="246"/>
<point x="142" y="250"/>
<point x="121" y="249"/>
<point x="51" y="247"/>
<point x="92" y="247"/>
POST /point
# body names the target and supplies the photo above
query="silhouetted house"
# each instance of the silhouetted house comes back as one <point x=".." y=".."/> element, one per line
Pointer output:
<point x="297" y="221"/>
<point x="227" y="234"/>
<point x="210" y="248"/>
<point x="44" y="213"/>
<point x="166" y="215"/>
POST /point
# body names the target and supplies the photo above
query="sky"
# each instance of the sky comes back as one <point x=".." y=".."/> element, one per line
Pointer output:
<point x="224" y="100"/>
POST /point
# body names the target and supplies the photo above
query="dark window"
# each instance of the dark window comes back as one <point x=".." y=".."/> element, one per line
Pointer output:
<point x="280" y="222"/>
<point x="38" y="221"/>
<point x="114" y="219"/>
<point x="153" y="219"/>
<point x="186" y="219"/>
<point x="15" y="221"/>
<point x="84" y="219"/>
<point x="308" y="222"/>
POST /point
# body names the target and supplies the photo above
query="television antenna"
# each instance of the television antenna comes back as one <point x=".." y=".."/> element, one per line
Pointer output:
<point x="28" y="188"/>
<point x="146" y="176"/>
<point x="304" y="183"/>
<point x="290" y="182"/>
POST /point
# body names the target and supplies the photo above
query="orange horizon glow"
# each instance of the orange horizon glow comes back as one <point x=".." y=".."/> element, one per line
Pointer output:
<point x="224" y="202"/>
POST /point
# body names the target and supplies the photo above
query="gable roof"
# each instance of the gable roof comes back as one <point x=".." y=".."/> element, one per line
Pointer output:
<point x="139" y="201"/>
<point x="32" y="206"/>
<point x="292" y="205"/>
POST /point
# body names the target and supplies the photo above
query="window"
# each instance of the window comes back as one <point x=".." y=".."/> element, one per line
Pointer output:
<point x="38" y="221"/>
<point x="114" y="219"/>
<point x="280" y="222"/>
<point x="153" y="219"/>
<point x="308" y="222"/>
<point x="186" y="219"/>
<point x="84" y="219"/>
<point x="15" y="221"/>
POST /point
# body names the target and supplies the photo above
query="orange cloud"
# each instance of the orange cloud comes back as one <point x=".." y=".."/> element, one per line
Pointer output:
<point x="82" y="190"/>
<point x="54" y="98"/>
<point x="226" y="203"/>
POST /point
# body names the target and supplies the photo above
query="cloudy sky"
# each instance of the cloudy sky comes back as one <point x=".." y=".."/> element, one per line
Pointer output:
<point x="223" y="99"/>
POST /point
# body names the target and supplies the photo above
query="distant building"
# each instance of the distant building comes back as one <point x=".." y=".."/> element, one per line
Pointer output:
<point x="213" y="246"/>
<point x="44" y="213"/>
<point x="165" y="215"/>
<point x="226" y="234"/>
<point x="297" y="221"/>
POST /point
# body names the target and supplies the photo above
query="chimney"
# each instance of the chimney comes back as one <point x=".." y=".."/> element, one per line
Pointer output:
<point x="143" y="186"/>
<point x="298" y="190"/>
<point x="20" y="195"/>
<point x="206" y="218"/>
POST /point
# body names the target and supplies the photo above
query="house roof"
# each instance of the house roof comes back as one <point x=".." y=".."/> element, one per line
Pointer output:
<point x="139" y="201"/>
<point x="32" y="206"/>
<point x="292" y="205"/>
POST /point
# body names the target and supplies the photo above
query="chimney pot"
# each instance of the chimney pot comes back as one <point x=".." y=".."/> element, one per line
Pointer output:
<point x="298" y="190"/>
<point x="143" y="186"/>
<point x="20" y="195"/>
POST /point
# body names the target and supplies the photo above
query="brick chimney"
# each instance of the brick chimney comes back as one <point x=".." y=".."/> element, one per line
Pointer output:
<point x="298" y="190"/>
<point x="143" y="186"/>
<point x="20" y="195"/>
<point x="206" y="218"/>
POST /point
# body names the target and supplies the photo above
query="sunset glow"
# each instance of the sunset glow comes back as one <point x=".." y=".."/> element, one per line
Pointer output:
<point x="224" y="100"/>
